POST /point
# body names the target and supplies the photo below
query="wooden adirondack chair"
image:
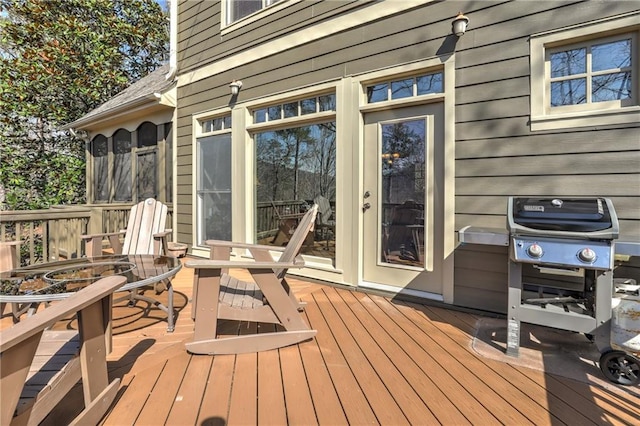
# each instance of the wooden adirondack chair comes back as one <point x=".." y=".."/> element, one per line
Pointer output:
<point x="10" y="259"/>
<point x="27" y="361"/>
<point x="145" y="233"/>
<point x="217" y="295"/>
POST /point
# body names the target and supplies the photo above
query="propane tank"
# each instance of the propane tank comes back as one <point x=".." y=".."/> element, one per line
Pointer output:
<point x="625" y="323"/>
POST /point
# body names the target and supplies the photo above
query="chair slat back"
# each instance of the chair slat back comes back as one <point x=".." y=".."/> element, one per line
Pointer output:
<point x="9" y="255"/>
<point x="148" y="217"/>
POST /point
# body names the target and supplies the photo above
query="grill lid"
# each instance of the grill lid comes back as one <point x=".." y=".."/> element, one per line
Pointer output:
<point x="569" y="217"/>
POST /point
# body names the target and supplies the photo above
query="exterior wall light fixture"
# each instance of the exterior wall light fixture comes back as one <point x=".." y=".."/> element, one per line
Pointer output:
<point x="459" y="24"/>
<point x="235" y="86"/>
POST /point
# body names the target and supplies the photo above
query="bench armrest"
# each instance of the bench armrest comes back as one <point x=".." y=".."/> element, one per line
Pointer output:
<point x="232" y="244"/>
<point x="231" y="264"/>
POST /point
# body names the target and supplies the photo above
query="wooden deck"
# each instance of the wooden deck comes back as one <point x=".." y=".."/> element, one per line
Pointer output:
<point x="374" y="361"/>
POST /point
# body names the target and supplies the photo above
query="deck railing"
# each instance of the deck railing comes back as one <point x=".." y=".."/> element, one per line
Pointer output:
<point x="55" y="233"/>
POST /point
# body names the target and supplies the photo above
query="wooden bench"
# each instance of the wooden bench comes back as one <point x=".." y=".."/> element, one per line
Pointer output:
<point x="33" y="380"/>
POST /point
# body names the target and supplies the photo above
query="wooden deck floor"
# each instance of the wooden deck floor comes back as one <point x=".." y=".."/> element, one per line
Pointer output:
<point x="374" y="361"/>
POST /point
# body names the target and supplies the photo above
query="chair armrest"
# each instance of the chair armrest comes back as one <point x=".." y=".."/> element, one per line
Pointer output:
<point x="231" y="264"/>
<point x="162" y="234"/>
<point x="106" y="234"/>
<point x="231" y="244"/>
<point x="38" y="322"/>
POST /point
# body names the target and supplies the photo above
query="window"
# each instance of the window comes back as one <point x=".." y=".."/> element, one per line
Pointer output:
<point x="586" y="75"/>
<point x="214" y="184"/>
<point x="294" y="165"/>
<point x="100" y="153"/>
<point x="122" y="165"/>
<point x="238" y="9"/>
<point x="128" y="167"/>
<point x="591" y="73"/>
<point x="405" y="88"/>
<point x="147" y="161"/>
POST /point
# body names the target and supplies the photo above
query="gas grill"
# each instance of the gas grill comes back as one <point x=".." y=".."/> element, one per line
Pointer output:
<point x="561" y="254"/>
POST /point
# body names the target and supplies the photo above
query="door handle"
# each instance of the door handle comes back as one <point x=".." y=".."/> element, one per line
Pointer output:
<point x="366" y="206"/>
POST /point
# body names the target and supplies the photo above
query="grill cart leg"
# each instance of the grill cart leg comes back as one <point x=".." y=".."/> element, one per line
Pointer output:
<point x="513" y="317"/>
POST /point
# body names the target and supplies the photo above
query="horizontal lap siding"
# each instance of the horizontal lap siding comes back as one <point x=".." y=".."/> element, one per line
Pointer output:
<point x="498" y="156"/>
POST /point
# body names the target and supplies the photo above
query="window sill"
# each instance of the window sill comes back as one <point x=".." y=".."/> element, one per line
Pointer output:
<point x="630" y="115"/>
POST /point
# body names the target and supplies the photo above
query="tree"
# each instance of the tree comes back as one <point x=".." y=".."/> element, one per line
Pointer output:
<point x="58" y="61"/>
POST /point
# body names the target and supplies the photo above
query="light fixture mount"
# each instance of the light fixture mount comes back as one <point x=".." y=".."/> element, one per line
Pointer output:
<point x="459" y="24"/>
<point x="235" y="86"/>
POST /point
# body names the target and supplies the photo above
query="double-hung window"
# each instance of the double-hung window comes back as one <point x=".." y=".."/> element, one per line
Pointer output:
<point x="586" y="76"/>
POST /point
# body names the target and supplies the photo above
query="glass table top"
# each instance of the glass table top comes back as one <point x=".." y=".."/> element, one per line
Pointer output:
<point x="58" y="280"/>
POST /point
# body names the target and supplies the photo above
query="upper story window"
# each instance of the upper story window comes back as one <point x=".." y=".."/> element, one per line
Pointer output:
<point x="311" y="105"/>
<point x="590" y="73"/>
<point x="586" y="75"/>
<point x="238" y="9"/>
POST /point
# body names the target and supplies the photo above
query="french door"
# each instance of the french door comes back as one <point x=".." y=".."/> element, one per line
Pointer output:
<point x="403" y="204"/>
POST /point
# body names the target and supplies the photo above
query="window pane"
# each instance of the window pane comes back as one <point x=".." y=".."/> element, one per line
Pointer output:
<point x="226" y="121"/>
<point x="214" y="162"/>
<point x="428" y="84"/>
<point x="308" y="106"/>
<point x="569" y="62"/>
<point x="100" y="168"/>
<point x="327" y="102"/>
<point x="611" y="87"/>
<point x="122" y="165"/>
<point x="290" y="109"/>
<point x="260" y="115"/>
<point x="147" y="183"/>
<point x="402" y="89"/>
<point x="214" y="187"/>
<point x="403" y="191"/>
<point x="238" y="9"/>
<point x="168" y="159"/>
<point x="147" y="134"/>
<point x="293" y="167"/>
<point x="611" y="55"/>
<point x="215" y="216"/>
<point x="275" y="112"/>
<point x="569" y="92"/>
<point x="377" y="93"/>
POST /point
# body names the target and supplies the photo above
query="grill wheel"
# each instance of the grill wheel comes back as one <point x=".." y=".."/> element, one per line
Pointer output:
<point x="620" y="367"/>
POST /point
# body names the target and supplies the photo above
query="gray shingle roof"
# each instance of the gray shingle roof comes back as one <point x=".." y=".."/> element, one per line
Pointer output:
<point x="155" y="82"/>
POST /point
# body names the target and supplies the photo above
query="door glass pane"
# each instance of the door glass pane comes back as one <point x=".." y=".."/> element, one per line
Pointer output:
<point x="214" y="188"/>
<point x="402" y="192"/>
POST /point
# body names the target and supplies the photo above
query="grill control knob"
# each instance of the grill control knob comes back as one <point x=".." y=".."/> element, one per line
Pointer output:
<point x="587" y="255"/>
<point x="535" y="251"/>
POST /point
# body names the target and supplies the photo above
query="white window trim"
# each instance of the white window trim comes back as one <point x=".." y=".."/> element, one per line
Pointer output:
<point x="227" y="27"/>
<point x="540" y="119"/>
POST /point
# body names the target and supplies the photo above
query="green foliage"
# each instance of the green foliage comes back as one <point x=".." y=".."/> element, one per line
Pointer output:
<point x="58" y="61"/>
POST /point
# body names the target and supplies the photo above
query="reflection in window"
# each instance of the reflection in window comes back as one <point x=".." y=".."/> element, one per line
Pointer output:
<point x="293" y="167"/>
<point x="100" y="153"/>
<point x="306" y="106"/>
<point x="593" y="72"/>
<point x="122" y="165"/>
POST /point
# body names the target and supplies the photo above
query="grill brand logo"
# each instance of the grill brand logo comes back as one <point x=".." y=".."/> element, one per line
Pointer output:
<point x="529" y="208"/>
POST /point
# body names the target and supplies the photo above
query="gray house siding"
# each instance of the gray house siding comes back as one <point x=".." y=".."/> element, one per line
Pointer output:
<point x="496" y="152"/>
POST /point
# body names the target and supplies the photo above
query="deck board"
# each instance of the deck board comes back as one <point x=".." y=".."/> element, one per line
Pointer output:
<point x="374" y="360"/>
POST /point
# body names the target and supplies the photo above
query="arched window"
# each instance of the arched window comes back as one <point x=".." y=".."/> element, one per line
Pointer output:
<point x="100" y="154"/>
<point x="122" y="165"/>
<point x="147" y="161"/>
